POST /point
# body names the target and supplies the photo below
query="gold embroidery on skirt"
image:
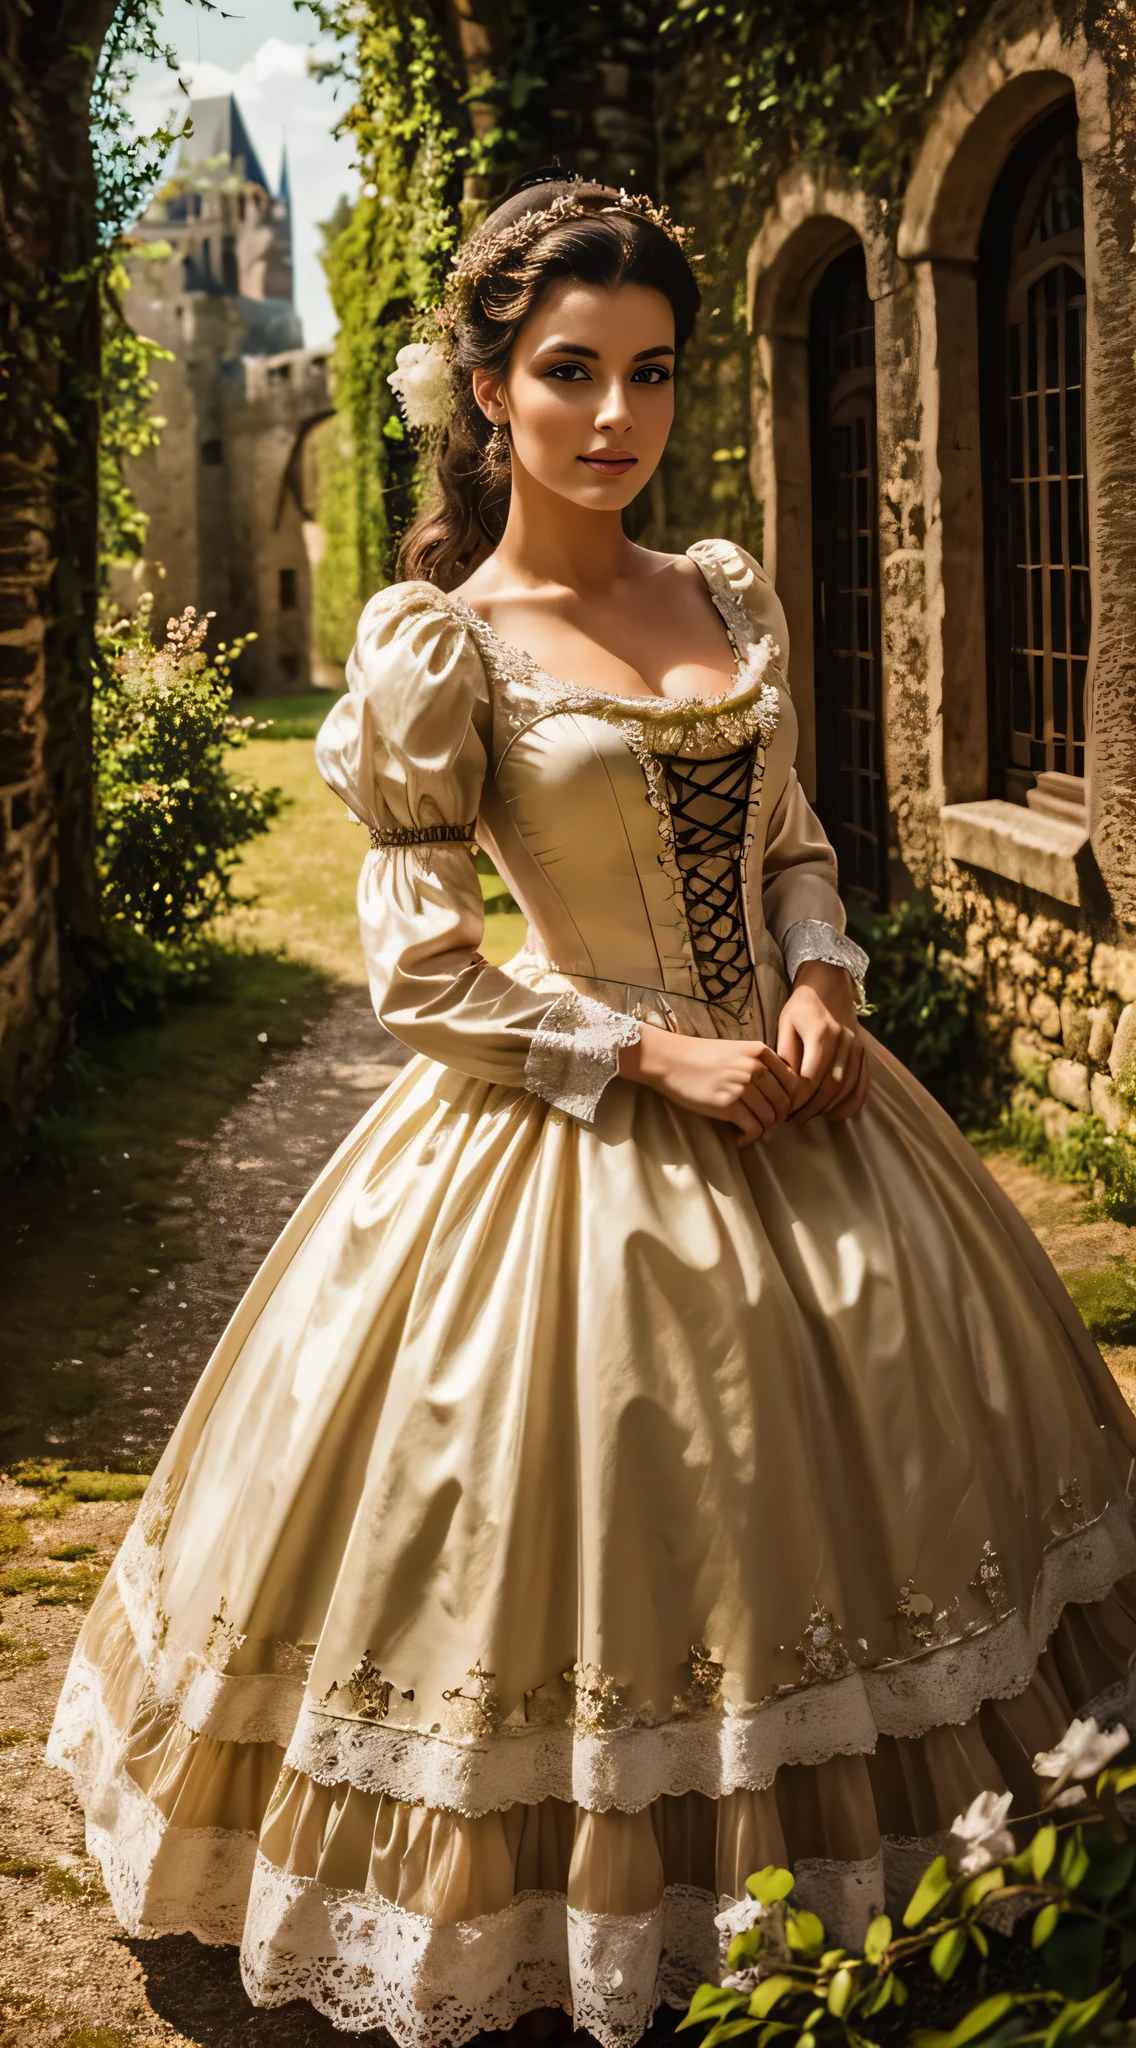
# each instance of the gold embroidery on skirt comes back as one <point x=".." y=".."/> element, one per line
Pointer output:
<point x="822" y="1648"/>
<point x="223" y="1640"/>
<point x="369" y="1692"/>
<point x="482" y="1702"/>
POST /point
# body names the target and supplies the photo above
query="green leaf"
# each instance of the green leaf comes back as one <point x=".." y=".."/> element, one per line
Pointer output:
<point x="1044" y="1925"/>
<point x="978" y="1936"/>
<point x="726" y="2030"/>
<point x="711" y="2002"/>
<point x="877" y="1996"/>
<point x="948" y="1953"/>
<point x="745" y="1947"/>
<point x="1074" y="1862"/>
<point x="982" y="2017"/>
<point x="769" y="1885"/>
<point x="933" y="1886"/>
<point x="899" y="1990"/>
<point x="1111" y="1868"/>
<point x="980" y="1888"/>
<point x="840" y="1992"/>
<point x="1082" y="2016"/>
<point x="1073" y="1956"/>
<point x="804" y="1932"/>
<point x="877" y="1938"/>
<point x="767" y="1994"/>
<point x="1042" y="1850"/>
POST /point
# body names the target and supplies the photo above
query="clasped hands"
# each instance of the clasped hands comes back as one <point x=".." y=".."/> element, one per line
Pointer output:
<point x="819" y="1067"/>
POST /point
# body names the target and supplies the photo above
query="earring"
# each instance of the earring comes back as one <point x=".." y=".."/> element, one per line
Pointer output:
<point x="498" y="450"/>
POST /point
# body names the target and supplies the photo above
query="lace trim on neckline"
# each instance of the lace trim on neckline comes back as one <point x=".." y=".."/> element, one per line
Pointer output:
<point x="751" y="662"/>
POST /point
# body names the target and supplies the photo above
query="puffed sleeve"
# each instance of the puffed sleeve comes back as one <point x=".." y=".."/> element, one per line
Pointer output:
<point x="407" y="750"/>
<point x="800" y="897"/>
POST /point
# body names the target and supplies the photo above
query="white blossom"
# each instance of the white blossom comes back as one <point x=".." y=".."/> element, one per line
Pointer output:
<point x="979" y="1836"/>
<point x="743" y="1914"/>
<point x="741" y="1980"/>
<point x="1083" y="1750"/>
<point x="421" y="384"/>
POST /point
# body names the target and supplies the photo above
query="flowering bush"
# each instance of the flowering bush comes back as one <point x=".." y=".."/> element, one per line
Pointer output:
<point x="998" y="1944"/>
<point x="170" y="818"/>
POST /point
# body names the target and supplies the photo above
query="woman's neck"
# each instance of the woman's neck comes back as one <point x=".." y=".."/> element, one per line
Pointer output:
<point x="548" y="539"/>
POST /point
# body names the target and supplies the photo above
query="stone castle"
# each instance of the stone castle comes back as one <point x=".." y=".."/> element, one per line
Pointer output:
<point x="229" y="488"/>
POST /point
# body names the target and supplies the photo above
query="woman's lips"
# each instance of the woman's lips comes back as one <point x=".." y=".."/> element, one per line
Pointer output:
<point x="609" y="465"/>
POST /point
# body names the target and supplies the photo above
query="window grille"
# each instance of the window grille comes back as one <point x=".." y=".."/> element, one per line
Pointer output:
<point x="851" y="793"/>
<point x="1039" y="598"/>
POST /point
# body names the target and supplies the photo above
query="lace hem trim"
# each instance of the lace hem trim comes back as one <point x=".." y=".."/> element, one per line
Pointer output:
<point x="575" y="1053"/>
<point x="365" y="1962"/>
<point x="812" y="939"/>
<point x="838" y="1709"/>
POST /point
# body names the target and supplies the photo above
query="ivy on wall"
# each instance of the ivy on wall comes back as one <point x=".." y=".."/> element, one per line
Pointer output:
<point x="851" y="88"/>
<point x="734" y="92"/>
<point x="381" y="262"/>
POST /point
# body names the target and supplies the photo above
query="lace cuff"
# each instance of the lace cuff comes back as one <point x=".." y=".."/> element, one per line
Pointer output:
<point x="575" y="1053"/>
<point x="811" y="939"/>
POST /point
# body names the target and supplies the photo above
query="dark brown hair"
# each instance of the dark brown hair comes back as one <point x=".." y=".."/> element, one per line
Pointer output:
<point x="464" y="516"/>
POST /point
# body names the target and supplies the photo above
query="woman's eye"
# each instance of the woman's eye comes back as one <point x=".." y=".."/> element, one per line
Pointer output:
<point x="651" y="373"/>
<point x="568" y="373"/>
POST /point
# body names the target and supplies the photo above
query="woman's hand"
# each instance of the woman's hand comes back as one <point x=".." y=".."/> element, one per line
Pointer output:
<point x="735" y="1081"/>
<point x="818" y="1037"/>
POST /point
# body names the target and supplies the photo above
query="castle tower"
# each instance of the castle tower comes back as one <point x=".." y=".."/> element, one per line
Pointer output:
<point x="211" y="280"/>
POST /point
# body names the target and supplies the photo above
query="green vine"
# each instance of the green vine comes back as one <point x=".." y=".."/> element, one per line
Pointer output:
<point x="851" y="88"/>
<point x="383" y="262"/>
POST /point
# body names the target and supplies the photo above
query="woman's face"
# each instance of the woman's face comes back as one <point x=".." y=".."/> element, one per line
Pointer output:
<point x="589" y="391"/>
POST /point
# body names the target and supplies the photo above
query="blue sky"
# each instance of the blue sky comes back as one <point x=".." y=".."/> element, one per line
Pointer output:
<point x="260" y="50"/>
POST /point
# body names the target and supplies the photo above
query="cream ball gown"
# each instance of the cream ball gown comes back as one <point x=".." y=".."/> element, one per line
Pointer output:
<point x="579" y="1513"/>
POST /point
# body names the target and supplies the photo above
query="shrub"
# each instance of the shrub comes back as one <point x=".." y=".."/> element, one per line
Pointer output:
<point x="1000" y="1943"/>
<point x="1088" y="1152"/>
<point x="171" y="819"/>
<point x="921" y="1010"/>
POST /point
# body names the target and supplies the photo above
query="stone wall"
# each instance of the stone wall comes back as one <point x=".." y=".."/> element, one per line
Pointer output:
<point x="1047" y="896"/>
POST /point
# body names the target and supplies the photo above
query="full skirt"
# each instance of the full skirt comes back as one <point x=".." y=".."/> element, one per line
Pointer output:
<point x="572" y="1521"/>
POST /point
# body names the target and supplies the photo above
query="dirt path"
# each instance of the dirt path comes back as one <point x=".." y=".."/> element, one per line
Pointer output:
<point x="68" y="1975"/>
<point x="225" y="1208"/>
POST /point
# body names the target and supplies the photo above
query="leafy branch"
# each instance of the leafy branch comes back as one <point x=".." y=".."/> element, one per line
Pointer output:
<point x="1070" y="1886"/>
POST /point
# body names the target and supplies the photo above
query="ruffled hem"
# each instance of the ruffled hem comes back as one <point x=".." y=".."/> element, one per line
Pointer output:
<point x="437" y="1926"/>
<point x="628" y="1768"/>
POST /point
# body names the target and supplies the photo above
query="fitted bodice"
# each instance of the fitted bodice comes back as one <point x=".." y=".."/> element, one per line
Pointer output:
<point x="632" y="831"/>
<point x="661" y="851"/>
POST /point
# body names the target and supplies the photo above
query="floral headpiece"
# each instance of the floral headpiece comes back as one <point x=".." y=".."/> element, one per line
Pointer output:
<point x="421" y="378"/>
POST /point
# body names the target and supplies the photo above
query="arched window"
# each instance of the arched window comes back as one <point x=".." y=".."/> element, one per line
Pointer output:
<point x="1039" y="603"/>
<point x="851" y="796"/>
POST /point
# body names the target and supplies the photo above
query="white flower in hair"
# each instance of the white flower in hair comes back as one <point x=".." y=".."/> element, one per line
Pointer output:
<point x="421" y="384"/>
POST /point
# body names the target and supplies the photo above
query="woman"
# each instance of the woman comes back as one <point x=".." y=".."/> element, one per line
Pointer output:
<point x="654" y="1449"/>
